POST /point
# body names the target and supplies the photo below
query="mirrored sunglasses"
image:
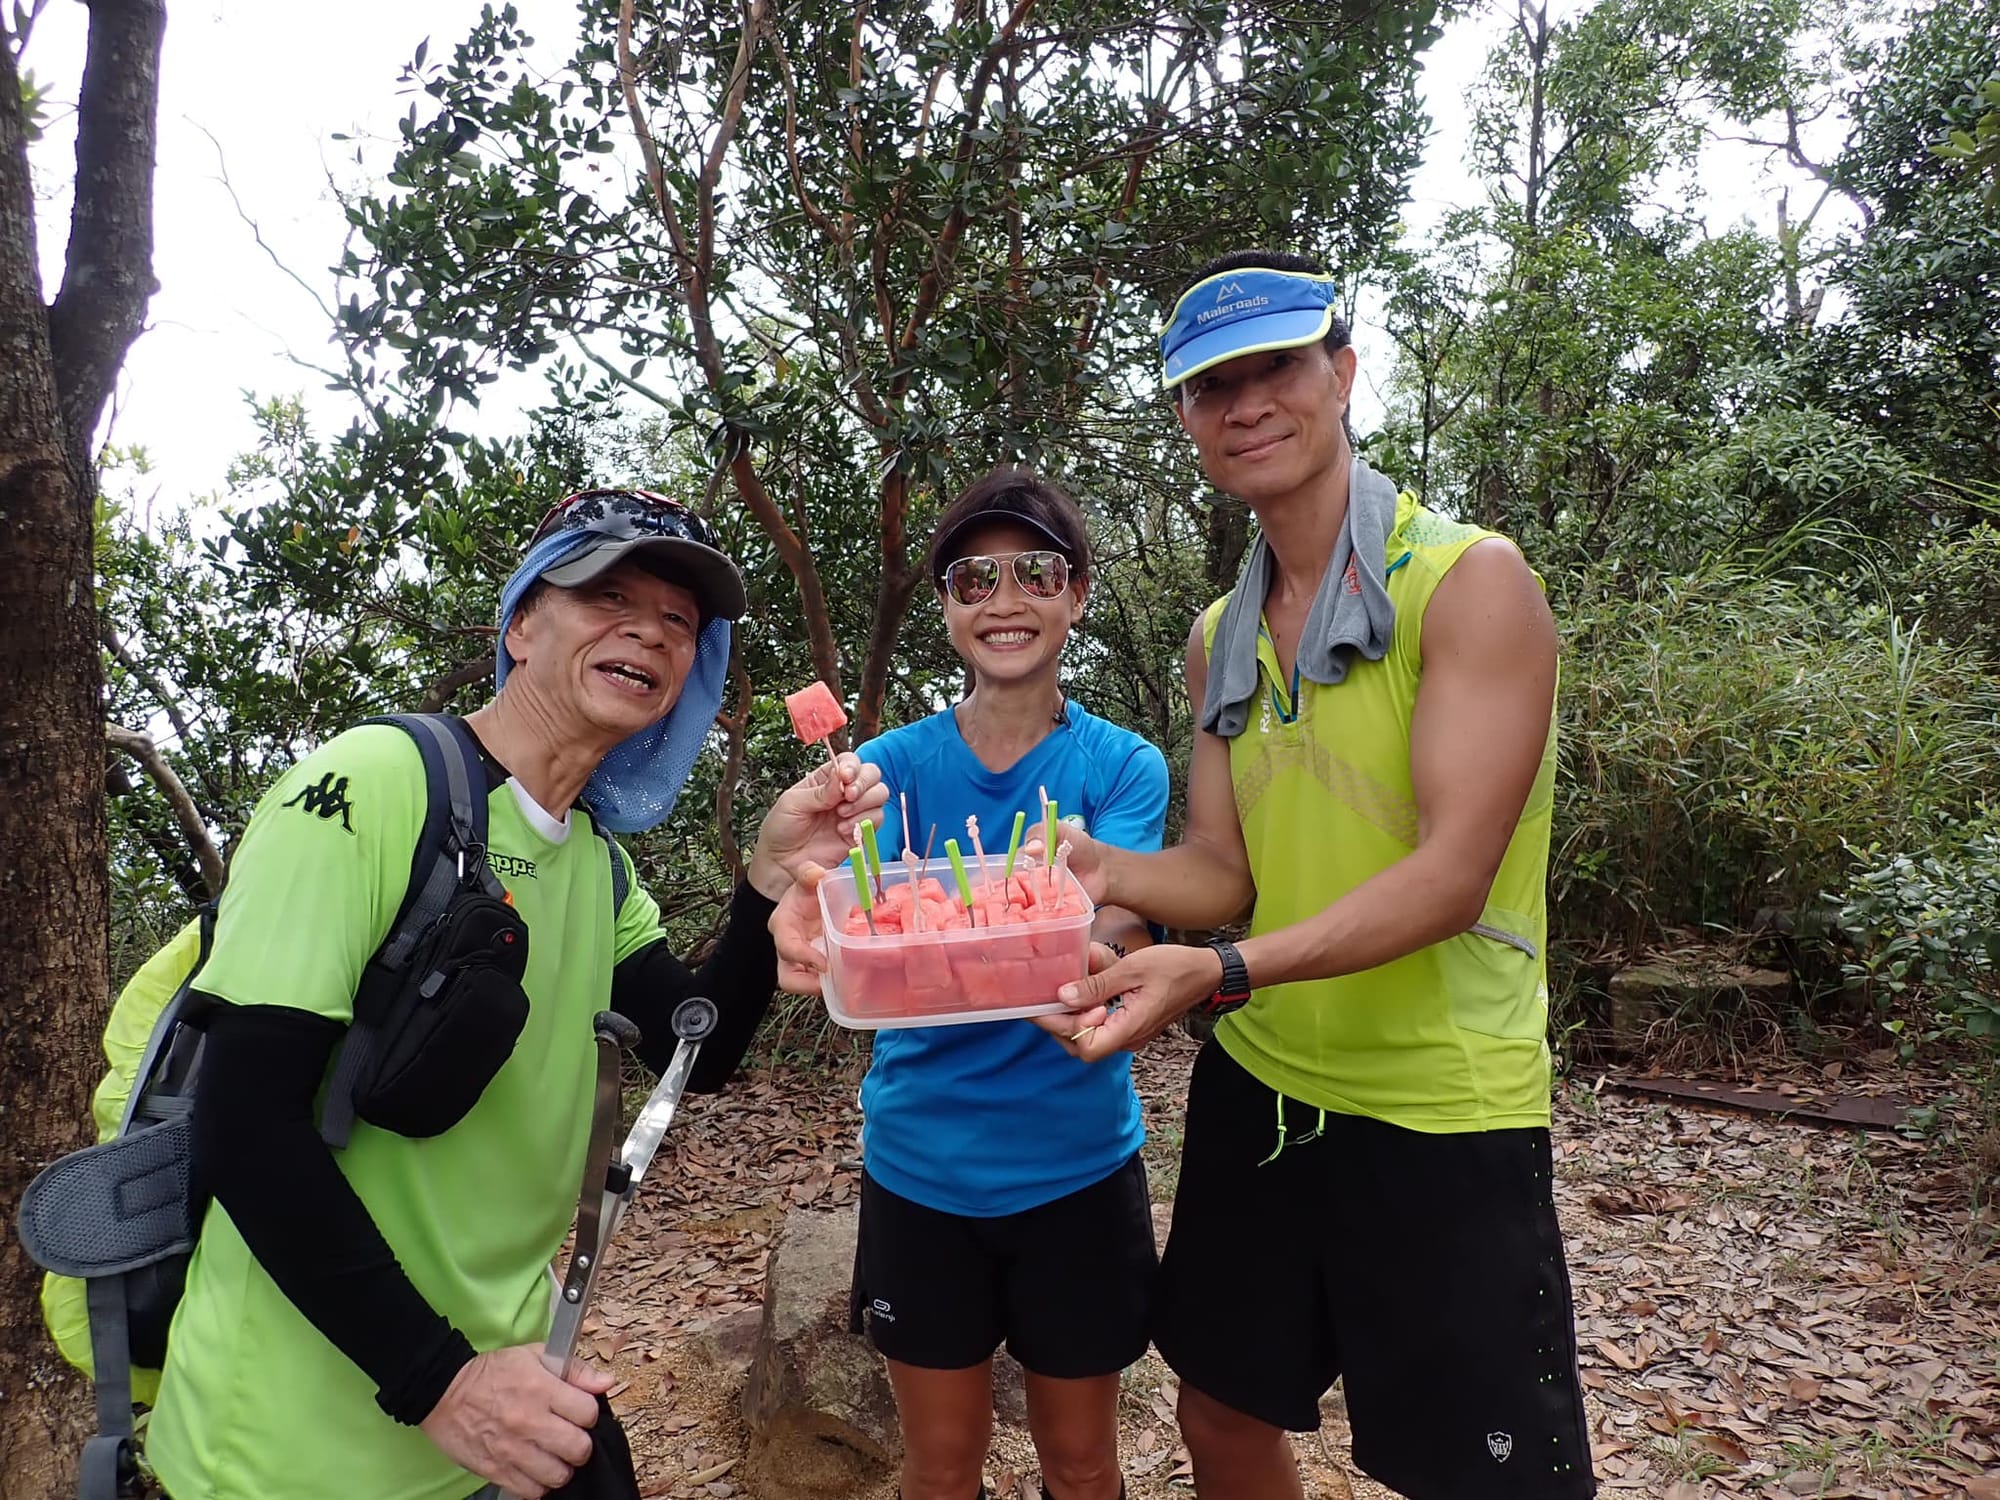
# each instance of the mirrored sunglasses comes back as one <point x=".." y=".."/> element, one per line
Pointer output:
<point x="1041" y="574"/>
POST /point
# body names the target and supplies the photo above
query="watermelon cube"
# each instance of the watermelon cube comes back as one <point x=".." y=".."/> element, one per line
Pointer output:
<point x="1051" y="974"/>
<point x="1020" y="983"/>
<point x="815" y="712"/>
<point x="925" y="966"/>
<point x="980" y="983"/>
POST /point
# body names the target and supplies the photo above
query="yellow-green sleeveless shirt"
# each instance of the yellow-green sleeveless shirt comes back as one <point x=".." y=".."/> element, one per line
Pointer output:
<point x="1453" y="1037"/>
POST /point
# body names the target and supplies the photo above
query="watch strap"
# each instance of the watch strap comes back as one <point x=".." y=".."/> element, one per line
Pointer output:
<point x="1234" y="991"/>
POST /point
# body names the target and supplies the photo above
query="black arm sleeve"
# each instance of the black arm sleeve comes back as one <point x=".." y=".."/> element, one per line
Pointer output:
<point x="257" y="1151"/>
<point x="741" y="976"/>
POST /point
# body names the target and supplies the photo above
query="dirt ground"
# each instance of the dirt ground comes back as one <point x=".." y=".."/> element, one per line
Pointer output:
<point x="1763" y="1307"/>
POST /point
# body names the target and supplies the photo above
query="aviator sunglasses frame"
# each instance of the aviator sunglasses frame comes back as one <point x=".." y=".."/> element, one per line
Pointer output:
<point x="1034" y="557"/>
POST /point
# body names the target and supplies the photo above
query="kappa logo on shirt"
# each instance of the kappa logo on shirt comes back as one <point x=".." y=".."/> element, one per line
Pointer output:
<point x="328" y="799"/>
<point x="510" y="866"/>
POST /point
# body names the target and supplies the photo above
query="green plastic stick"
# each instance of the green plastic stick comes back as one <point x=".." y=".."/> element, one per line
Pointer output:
<point x="958" y="873"/>
<point x="874" y="854"/>
<point x="1049" y="840"/>
<point x="1013" y="848"/>
<point x="858" y="862"/>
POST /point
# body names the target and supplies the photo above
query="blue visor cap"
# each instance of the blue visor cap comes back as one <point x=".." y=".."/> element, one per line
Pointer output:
<point x="1244" y="312"/>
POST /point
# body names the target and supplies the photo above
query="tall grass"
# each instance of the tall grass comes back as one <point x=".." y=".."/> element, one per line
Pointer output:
<point x="1730" y="735"/>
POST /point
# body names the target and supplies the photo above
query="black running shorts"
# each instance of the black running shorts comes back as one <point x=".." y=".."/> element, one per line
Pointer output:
<point x="1067" y="1285"/>
<point x="1426" y="1271"/>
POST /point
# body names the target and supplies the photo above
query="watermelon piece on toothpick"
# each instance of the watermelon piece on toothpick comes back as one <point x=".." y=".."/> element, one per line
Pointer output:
<point x="816" y="714"/>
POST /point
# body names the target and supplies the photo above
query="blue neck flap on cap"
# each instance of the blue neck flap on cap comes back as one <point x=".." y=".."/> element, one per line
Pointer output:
<point x="637" y="783"/>
<point x="1244" y="312"/>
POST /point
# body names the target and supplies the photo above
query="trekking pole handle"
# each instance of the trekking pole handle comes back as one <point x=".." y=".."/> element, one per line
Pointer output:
<point x="613" y="1028"/>
<point x="694" y="1018"/>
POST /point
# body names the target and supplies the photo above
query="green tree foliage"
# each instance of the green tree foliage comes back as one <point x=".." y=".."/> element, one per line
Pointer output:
<point x="1916" y="358"/>
<point x="866" y="254"/>
<point x="1979" y="147"/>
<point x="815" y="271"/>
<point x="811" y="271"/>
<point x="1568" y="343"/>
<point x="1751" y="467"/>
<point x="1731" y="732"/>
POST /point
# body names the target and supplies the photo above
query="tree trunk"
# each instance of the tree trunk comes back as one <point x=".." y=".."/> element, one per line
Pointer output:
<point x="57" y="367"/>
<point x="1227" y="542"/>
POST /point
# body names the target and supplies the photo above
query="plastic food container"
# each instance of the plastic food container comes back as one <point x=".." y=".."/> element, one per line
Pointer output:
<point x="946" y="978"/>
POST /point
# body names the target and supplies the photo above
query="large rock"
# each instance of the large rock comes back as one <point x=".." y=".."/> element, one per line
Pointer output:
<point x="1646" y="995"/>
<point x="807" y="1365"/>
<point x="817" y="1400"/>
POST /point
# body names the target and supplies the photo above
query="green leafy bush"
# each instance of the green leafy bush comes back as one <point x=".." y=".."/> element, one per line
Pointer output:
<point x="1730" y="738"/>
<point x="1927" y="929"/>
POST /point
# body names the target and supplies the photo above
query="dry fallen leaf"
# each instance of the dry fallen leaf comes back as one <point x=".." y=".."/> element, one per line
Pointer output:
<point x="1728" y="1447"/>
<point x="1644" y="1199"/>
<point x="1616" y="1355"/>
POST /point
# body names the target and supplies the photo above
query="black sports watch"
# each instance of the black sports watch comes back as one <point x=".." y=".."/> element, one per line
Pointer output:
<point x="1234" y="991"/>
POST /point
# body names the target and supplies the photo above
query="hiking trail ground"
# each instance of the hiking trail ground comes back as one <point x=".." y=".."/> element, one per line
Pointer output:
<point x="1763" y="1308"/>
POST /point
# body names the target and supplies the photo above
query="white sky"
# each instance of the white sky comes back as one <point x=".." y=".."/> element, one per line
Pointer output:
<point x="261" y="87"/>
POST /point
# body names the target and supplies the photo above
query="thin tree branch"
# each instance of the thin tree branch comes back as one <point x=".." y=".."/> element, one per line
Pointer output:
<point x="735" y="729"/>
<point x="725" y="133"/>
<point x="635" y="386"/>
<point x="143" y="750"/>
<point x="440" y="692"/>
<point x="257" y="230"/>
<point x="628" y="79"/>
<point x="696" y="264"/>
<point x="26" y="28"/>
<point x="108" y="267"/>
<point x="931" y="286"/>
<point x="812" y="209"/>
<point x="147" y="678"/>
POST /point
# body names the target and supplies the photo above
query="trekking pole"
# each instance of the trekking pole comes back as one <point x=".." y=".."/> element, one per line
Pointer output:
<point x="600" y="1212"/>
<point x="610" y="1182"/>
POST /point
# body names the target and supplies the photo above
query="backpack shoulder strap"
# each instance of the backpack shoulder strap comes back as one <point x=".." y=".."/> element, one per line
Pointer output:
<point x="453" y="841"/>
<point x="144" y="1102"/>
<point x="621" y="874"/>
<point x="451" y="848"/>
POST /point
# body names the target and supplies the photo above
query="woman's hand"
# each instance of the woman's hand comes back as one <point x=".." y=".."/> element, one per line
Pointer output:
<point x="816" y="820"/>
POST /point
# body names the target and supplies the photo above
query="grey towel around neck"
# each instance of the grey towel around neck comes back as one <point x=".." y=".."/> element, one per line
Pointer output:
<point x="1344" y="620"/>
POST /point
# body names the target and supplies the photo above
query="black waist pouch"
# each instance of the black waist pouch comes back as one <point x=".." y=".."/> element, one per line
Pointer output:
<point x="447" y="1023"/>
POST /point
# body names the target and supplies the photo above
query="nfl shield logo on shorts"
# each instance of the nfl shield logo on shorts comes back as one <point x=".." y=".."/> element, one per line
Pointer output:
<point x="1500" y="1445"/>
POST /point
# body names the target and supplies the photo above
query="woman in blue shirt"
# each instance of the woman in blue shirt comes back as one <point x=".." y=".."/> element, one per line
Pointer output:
<point x="1003" y="1197"/>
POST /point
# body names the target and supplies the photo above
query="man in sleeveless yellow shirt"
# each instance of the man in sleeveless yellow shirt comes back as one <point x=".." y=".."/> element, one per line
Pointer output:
<point x="1365" y="1182"/>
